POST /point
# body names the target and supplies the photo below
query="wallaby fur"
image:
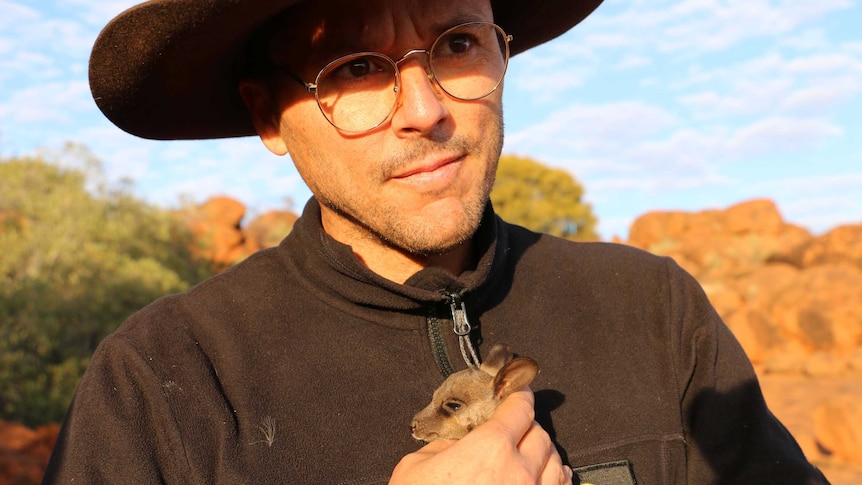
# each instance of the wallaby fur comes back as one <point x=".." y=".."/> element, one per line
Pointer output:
<point x="467" y="398"/>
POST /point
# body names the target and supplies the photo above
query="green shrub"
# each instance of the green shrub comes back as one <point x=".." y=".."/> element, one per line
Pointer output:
<point x="77" y="257"/>
<point x="542" y="199"/>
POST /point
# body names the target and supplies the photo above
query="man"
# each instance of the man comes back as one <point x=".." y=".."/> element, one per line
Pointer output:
<point x="304" y="363"/>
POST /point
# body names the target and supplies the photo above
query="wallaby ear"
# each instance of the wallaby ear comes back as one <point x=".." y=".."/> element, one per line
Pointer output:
<point x="518" y="373"/>
<point x="497" y="357"/>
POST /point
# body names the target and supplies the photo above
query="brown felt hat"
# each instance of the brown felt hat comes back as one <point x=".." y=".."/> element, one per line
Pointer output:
<point x="168" y="69"/>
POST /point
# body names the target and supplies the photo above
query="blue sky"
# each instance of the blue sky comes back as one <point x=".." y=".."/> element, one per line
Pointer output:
<point x="652" y="105"/>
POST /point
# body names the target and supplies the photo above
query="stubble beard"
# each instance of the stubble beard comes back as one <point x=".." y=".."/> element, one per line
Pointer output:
<point x="418" y="236"/>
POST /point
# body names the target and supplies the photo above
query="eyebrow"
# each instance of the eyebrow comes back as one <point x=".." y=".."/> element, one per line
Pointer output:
<point x="435" y="30"/>
<point x="457" y="19"/>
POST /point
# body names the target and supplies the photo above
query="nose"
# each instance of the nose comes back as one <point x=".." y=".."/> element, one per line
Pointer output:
<point x="421" y="104"/>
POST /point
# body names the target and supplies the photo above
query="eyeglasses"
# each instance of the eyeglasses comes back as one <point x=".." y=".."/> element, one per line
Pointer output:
<point x="358" y="92"/>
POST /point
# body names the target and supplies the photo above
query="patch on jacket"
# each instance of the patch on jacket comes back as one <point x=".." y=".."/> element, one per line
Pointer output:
<point x="611" y="473"/>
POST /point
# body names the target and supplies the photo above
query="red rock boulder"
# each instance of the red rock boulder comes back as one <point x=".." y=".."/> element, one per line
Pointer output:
<point x="215" y="225"/>
<point x="24" y="452"/>
<point x="838" y="428"/>
<point x="268" y="230"/>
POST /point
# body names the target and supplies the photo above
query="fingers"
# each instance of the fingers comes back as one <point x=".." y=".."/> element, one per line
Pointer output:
<point x="555" y="472"/>
<point x="414" y="467"/>
<point x="540" y="456"/>
<point x="568" y="475"/>
<point x="515" y="418"/>
<point x="431" y="449"/>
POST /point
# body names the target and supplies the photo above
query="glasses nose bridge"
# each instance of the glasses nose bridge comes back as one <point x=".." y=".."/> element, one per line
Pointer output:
<point x="426" y="65"/>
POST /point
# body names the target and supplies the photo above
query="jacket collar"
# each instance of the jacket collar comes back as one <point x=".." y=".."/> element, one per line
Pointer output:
<point x="330" y="270"/>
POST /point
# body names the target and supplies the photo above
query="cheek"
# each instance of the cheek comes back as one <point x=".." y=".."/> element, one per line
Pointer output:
<point x="306" y="138"/>
<point x="302" y="119"/>
<point x="326" y="161"/>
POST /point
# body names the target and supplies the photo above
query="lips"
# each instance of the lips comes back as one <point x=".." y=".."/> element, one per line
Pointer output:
<point x="428" y="168"/>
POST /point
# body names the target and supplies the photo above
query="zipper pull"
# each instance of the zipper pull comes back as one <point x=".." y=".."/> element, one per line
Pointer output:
<point x="462" y="328"/>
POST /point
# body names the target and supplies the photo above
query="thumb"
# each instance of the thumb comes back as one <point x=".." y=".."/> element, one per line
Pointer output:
<point x="515" y="414"/>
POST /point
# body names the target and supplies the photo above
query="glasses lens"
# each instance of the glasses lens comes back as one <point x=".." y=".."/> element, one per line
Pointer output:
<point x="357" y="92"/>
<point x="469" y="60"/>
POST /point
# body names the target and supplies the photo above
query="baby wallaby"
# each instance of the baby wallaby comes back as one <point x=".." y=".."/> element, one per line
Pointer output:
<point x="468" y="397"/>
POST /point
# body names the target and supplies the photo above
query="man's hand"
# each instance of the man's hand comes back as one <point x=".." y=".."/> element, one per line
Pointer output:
<point x="509" y="448"/>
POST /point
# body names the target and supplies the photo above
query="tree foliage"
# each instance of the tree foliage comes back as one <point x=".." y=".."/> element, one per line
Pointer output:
<point x="77" y="257"/>
<point x="542" y="199"/>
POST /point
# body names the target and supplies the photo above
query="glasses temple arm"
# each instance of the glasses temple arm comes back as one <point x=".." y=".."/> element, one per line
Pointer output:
<point x="310" y="87"/>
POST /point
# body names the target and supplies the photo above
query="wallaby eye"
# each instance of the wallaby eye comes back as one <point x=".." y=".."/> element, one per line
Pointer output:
<point x="453" y="405"/>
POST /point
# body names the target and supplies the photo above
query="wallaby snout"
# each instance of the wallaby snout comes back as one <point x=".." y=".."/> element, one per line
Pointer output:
<point x="467" y="398"/>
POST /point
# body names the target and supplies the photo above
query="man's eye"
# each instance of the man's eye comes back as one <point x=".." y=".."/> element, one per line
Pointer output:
<point x="355" y="68"/>
<point x="364" y="68"/>
<point x="459" y="43"/>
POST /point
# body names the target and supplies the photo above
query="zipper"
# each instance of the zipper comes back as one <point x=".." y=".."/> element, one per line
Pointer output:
<point x="460" y="327"/>
<point x="438" y="346"/>
<point x="460" y="324"/>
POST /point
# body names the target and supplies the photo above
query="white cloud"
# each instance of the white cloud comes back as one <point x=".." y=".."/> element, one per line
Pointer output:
<point x="633" y="133"/>
<point x="40" y="45"/>
<point x="773" y="84"/>
<point x="821" y="185"/>
<point x="780" y="135"/>
<point x="630" y="62"/>
<point x="15" y="13"/>
<point x="690" y="27"/>
<point x="807" y="40"/>
<point x="608" y="40"/>
<point x="99" y="13"/>
<point x="820" y="98"/>
<point x="710" y="105"/>
<point x="583" y="126"/>
<point x="57" y="102"/>
<point x="824" y="64"/>
<point x="817" y="202"/>
<point x="658" y="182"/>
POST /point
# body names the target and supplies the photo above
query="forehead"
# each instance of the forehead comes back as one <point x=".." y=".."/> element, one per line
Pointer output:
<point x="318" y="31"/>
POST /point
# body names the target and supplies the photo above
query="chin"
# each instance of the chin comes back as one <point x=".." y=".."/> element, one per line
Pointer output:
<point x="434" y="240"/>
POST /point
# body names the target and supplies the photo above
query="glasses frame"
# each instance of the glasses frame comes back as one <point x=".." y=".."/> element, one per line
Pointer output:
<point x="312" y="87"/>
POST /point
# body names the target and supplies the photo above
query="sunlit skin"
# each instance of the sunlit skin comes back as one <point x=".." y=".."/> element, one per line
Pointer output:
<point x="410" y="193"/>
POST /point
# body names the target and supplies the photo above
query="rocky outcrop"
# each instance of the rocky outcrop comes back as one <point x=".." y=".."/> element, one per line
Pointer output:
<point x="716" y="245"/>
<point x="838" y="425"/>
<point x="267" y="230"/>
<point x="789" y="296"/>
<point x="221" y="237"/>
<point x="24" y="452"/>
<point x="215" y="225"/>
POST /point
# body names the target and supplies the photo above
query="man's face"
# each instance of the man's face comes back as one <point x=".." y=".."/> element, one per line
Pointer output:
<point x="418" y="183"/>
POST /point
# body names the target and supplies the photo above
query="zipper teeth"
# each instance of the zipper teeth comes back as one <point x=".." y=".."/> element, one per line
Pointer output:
<point x="438" y="347"/>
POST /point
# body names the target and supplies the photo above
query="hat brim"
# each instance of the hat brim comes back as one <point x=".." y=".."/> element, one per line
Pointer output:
<point x="168" y="69"/>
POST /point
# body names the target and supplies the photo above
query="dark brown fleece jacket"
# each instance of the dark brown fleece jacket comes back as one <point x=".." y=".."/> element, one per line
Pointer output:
<point x="301" y="366"/>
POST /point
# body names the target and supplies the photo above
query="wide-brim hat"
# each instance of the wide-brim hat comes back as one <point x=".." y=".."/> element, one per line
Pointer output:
<point x="168" y="69"/>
